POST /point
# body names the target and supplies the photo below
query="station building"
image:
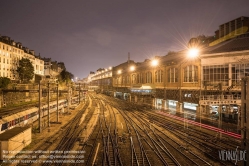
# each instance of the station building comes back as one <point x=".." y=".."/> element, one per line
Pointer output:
<point x="101" y="81"/>
<point x="206" y="83"/>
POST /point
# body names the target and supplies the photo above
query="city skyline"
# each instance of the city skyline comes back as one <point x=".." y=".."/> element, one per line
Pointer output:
<point x="91" y="35"/>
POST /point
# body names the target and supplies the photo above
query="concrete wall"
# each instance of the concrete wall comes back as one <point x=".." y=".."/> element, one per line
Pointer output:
<point x="16" y="143"/>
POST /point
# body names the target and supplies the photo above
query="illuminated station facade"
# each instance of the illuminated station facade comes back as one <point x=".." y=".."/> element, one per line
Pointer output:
<point x="205" y="78"/>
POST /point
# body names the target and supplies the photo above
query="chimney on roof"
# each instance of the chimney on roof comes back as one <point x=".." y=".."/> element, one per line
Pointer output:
<point x="32" y="52"/>
<point x="26" y="49"/>
<point x="6" y="38"/>
<point x="19" y="45"/>
<point x="13" y="42"/>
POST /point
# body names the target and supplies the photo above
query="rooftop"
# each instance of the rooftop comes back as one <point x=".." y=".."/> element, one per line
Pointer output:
<point x="11" y="133"/>
<point x="240" y="43"/>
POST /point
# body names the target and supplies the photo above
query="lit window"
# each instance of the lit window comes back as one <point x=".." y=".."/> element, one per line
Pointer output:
<point x="140" y="78"/>
<point x="159" y="76"/>
<point x="128" y="79"/>
<point x="172" y="75"/>
<point x="133" y="79"/>
<point x="148" y="77"/>
<point x="191" y="73"/>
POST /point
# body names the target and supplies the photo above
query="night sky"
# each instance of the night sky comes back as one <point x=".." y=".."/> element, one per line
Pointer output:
<point x="91" y="34"/>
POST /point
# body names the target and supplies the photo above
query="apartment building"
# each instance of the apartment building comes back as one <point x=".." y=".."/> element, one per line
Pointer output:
<point x="10" y="54"/>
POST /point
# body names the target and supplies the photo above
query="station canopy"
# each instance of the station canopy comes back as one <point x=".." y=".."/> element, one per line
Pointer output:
<point x="143" y="87"/>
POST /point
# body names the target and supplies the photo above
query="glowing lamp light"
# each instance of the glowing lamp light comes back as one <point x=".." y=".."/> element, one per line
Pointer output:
<point x="193" y="52"/>
<point x="119" y="72"/>
<point x="132" y="68"/>
<point x="154" y="62"/>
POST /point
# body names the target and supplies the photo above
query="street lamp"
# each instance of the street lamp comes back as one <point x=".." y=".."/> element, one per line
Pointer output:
<point x="132" y="68"/>
<point x="193" y="52"/>
<point x="154" y="62"/>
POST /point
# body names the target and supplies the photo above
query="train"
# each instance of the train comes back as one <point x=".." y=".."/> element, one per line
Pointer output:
<point x="30" y="115"/>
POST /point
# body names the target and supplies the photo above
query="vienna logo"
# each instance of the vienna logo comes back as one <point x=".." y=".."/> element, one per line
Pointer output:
<point x="232" y="155"/>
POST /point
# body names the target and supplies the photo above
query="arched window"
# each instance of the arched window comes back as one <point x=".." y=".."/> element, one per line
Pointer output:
<point x="148" y="77"/>
<point x="127" y="79"/>
<point x="139" y="78"/>
<point x="133" y="79"/>
<point x="172" y="75"/>
<point x="119" y="80"/>
<point x="159" y="76"/>
<point x="116" y="80"/>
<point x="191" y="73"/>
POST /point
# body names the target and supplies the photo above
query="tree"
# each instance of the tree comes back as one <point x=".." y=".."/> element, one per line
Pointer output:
<point x="66" y="76"/>
<point x="4" y="82"/>
<point x="25" y="70"/>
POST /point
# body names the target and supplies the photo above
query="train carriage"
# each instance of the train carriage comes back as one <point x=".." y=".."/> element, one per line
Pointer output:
<point x="28" y="116"/>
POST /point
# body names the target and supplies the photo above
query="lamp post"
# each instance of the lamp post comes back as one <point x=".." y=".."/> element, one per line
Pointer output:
<point x="180" y="94"/>
<point x="194" y="53"/>
<point x="57" y="101"/>
<point x="48" y="104"/>
<point x="68" y="98"/>
<point x="131" y="69"/>
<point x="79" y="93"/>
<point x="40" y="110"/>
<point x="154" y="63"/>
<point x="119" y="72"/>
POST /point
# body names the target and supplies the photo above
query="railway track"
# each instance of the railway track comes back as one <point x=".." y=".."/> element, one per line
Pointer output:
<point x="124" y="134"/>
<point x="196" y="134"/>
<point x="69" y="139"/>
<point x="202" y="150"/>
<point x="171" y="146"/>
<point x="50" y="141"/>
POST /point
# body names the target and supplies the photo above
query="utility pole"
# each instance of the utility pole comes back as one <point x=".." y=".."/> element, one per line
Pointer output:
<point x="57" y="101"/>
<point x="79" y="93"/>
<point x="68" y="99"/>
<point x="48" y="105"/>
<point x="220" y="119"/>
<point x="39" y="105"/>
